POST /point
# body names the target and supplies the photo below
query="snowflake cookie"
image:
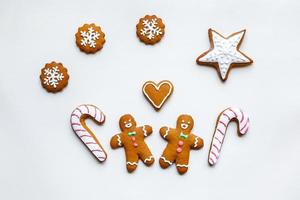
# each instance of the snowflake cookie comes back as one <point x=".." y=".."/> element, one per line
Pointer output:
<point x="54" y="77"/>
<point x="150" y="29"/>
<point x="90" y="38"/>
<point x="224" y="53"/>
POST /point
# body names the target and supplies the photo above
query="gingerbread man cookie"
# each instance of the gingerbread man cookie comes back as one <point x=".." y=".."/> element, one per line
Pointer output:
<point x="132" y="139"/>
<point x="180" y="142"/>
<point x="90" y="38"/>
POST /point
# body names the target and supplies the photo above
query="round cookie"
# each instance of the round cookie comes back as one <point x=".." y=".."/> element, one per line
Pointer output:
<point x="180" y="142"/>
<point x="90" y="38"/>
<point x="132" y="139"/>
<point x="150" y="29"/>
<point x="54" y="77"/>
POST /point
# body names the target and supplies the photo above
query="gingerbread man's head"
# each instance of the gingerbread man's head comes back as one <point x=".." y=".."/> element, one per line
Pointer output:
<point x="127" y="123"/>
<point x="185" y="123"/>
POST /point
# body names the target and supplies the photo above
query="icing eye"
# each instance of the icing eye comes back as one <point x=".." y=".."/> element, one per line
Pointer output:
<point x="129" y="120"/>
<point x="125" y="122"/>
<point x="182" y="121"/>
<point x="189" y="122"/>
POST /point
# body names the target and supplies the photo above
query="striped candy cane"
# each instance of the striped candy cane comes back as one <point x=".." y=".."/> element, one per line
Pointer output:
<point x="228" y="115"/>
<point x="84" y="133"/>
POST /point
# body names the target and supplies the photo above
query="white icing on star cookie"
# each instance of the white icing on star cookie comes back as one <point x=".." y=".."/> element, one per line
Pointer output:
<point x="224" y="52"/>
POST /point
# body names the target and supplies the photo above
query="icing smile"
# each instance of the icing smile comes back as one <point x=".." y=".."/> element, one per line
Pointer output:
<point x="184" y="126"/>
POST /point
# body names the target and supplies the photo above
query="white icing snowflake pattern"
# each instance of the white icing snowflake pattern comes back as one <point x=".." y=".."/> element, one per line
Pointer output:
<point x="225" y="52"/>
<point x="150" y="29"/>
<point x="53" y="76"/>
<point x="89" y="37"/>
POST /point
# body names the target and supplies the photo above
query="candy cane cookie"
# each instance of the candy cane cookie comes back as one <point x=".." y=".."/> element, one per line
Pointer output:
<point x="228" y="115"/>
<point x="79" y="126"/>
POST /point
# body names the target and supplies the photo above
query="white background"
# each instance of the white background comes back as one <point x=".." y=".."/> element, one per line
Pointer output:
<point x="41" y="157"/>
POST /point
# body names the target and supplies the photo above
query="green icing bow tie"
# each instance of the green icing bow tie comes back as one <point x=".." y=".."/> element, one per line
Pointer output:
<point x="182" y="135"/>
<point x="131" y="133"/>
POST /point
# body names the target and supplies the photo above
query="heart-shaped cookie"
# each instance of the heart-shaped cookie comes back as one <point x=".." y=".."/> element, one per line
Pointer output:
<point x="157" y="94"/>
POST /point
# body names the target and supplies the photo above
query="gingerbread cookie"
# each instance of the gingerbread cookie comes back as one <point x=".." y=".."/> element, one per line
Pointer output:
<point x="157" y="94"/>
<point x="224" y="53"/>
<point x="228" y="115"/>
<point x="79" y="126"/>
<point x="150" y="29"/>
<point x="132" y="139"/>
<point x="54" y="77"/>
<point x="90" y="38"/>
<point x="180" y="142"/>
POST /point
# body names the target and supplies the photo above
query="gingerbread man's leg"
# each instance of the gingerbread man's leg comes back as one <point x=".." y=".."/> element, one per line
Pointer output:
<point x="132" y="159"/>
<point x="182" y="162"/>
<point x="145" y="154"/>
<point x="168" y="157"/>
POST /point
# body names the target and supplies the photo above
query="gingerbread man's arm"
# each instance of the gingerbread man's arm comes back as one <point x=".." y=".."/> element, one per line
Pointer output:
<point x="165" y="132"/>
<point x="146" y="130"/>
<point x="195" y="142"/>
<point x="116" y="141"/>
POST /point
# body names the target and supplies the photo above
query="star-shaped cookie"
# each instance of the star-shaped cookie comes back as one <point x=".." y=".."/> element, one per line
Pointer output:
<point x="224" y="53"/>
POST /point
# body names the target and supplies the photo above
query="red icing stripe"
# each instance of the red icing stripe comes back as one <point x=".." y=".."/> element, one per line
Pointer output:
<point x="233" y="112"/>
<point x="220" y="131"/>
<point x="78" y="110"/>
<point x="75" y="116"/>
<point x="78" y="130"/>
<point x="75" y="124"/>
<point x="102" y="117"/>
<point x="85" y="136"/>
<point x="87" y="109"/>
<point x="223" y="124"/>
<point x="97" y="150"/>
<point x="246" y="129"/>
<point x="213" y="153"/>
<point x="227" y="116"/>
<point x="95" y="112"/>
<point x="245" y="125"/>
<point x="216" y="148"/>
<point x="100" y="157"/>
<point x="211" y="161"/>
<point x="90" y="143"/>
<point x="218" y="140"/>
<point x="242" y="116"/>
